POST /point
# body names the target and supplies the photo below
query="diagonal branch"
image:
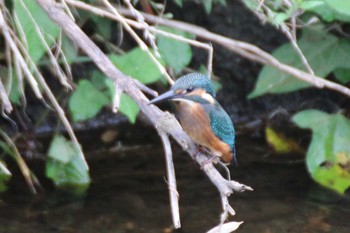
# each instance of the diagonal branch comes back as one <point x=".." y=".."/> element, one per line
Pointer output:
<point x="127" y="85"/>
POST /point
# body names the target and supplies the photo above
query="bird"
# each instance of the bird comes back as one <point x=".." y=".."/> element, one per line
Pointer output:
<point x="201" y="116"/>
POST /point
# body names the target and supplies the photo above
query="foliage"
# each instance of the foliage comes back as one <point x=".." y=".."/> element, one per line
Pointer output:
<point x="35" y="46"/>
<point x="325" y="53"/>
<point x="91" y="96"/>
<point x="65" y="167"/>
<point x="137" y="64"/>
<point x="176" y="54"/>
<point x="328" y="156"/>
<point x="86" y="101"/>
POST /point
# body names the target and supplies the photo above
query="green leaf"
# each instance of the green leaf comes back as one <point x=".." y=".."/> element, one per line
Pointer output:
<point x="328" y="155"/>
<point x="179" y="2"/>
<point x="69" y="50"/>
<point x="340" y="6"/>
<point x="61" y="149"/>
<point x="207" y="5"/>
<point x="333" y="177"/>
<point x="343" y="75"/>
<point x="50" y="30"/>
<point x="99" y="80"/>
<point x="103" y="25"/>
<point x="129" y="108"/>
<point x="324" y="53"/>
<point x="327" y="13"/>
<point x="176" y="54"/>
<point x="86" y="101"/>
<point x="5" y="175"/>
<point x="65" y="166"/>
<point x="138" y="64"/>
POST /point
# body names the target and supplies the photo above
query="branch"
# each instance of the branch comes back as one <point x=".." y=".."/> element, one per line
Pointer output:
<point x="6" y="104"/>
<point x="246" y="50"/>
<point x="162" y="120"/>
<point x="173" y="194"/>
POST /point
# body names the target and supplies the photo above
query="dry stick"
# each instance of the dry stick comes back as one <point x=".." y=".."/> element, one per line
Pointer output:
<point x="29" y="177"/>
<point x="143" y="26"/>
<point x="156" y="116"/>
<point x="4" y="98"/>
<point x="247" y="50"/>
<point x="173" y="193"/>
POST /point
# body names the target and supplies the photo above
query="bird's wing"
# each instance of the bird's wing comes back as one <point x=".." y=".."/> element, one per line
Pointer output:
<point x="221" y="125"/>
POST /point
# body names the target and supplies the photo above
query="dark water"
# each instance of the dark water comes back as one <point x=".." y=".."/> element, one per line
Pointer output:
<point x="129" y="194"/>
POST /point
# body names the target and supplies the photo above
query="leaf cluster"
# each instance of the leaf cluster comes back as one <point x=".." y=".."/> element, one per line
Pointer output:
<point x="328" y="54"/>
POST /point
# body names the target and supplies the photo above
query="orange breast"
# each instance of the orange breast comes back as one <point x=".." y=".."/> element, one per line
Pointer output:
<point x="196" y="124"/>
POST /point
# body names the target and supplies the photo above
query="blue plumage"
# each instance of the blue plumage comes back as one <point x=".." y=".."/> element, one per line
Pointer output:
<point x="222" y="126"/>
<point x="201" y="116"/>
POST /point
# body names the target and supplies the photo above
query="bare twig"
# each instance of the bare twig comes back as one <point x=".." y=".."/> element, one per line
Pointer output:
<point x="145" y="89"/>
<point x="173" y="194"/>
<point x="4" y="98"/>
<point x="247" y="50"/>
<point x="116" y="99"/>
<point x="140" y="42"/>
<point x="29" y="177"/>
<point x="291" y="35"/>
<point x="147" y="34"/>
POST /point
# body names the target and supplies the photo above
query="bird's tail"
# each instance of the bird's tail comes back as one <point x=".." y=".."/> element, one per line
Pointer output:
<point x="234" y="156"/>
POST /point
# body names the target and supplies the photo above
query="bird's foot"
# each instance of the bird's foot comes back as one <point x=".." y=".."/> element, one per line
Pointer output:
<point x="214" y="159"/>
<point x="199" y="149"/>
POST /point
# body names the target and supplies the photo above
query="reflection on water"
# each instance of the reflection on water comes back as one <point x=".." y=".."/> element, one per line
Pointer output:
<point x="129" y="194"/>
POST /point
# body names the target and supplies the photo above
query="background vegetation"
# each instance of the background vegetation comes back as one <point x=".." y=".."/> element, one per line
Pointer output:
<point x="319" y="44"/>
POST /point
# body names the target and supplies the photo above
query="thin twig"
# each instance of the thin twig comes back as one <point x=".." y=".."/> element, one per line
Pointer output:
<point x="29" y="177"/>
<point x="145" y="89"/>
<point x="173" y="193"/>
<point x="116" y="99"/>
<point x="146" y="33"/>
<point x="140" y="42"/>
<point x="291" y="35"/>
<point x="4" y="98"/>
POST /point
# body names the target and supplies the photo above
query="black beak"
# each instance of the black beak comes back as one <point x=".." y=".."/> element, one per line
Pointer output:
<point x="163" y="97"/>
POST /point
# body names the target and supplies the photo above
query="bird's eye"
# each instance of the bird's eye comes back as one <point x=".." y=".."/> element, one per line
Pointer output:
<point x="190" y="89"/>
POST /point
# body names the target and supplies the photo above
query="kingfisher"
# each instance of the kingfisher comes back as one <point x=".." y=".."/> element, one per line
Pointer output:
<point x="201" y="116"/>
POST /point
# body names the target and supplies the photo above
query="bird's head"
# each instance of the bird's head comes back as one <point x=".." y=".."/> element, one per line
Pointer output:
<point x="192" y="87"/>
